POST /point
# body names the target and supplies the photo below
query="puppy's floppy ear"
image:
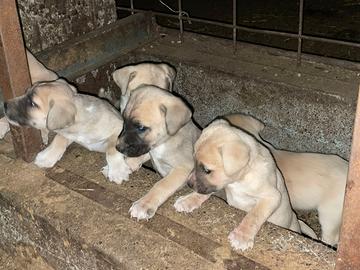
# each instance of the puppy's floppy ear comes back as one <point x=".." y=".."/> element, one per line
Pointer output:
<point x="61" y="114"/>
<point x="176" y="113"/>
<point x="122" y="77"/>
<point x="235" y="156"/>
<point x="73" y="88"/>
<point x="170" y="76"/>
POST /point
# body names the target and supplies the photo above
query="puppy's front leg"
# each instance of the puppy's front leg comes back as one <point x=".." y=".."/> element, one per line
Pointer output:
<point x="116" y="169"/>
<point x="243" y="236"/>
<point x="146" y="207"/>
<point x="51" y="154"/>
<point x="135" y="163"/>
<point x="190" y="202"/>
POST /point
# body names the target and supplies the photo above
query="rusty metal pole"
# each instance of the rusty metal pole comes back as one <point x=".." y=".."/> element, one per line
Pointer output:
<point x="234" y="25"/>
<point x="300" y="30"/>
<point x="348" y="249"/>
<point x="181" y="25"/>
<point x="14" y="76"/>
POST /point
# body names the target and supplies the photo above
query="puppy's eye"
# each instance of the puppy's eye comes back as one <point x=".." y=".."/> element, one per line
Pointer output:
<point x="32" y="103"/>
<point x="206" y="170"/>
<point x="141" y="128"/>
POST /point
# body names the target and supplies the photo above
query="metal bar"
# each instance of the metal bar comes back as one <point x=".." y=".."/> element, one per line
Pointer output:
<point x="14" y="76"/>
<point x="349" y="245"/>
<point x="132" y="6"/>
<point x="301" y="17"/>
<point x="234" y="25"/>
<point x="252" y="30"/>
<point x="181" y="20"/>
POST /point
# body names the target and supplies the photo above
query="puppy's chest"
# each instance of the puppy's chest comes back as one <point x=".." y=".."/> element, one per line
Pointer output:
<point x="238" y="197"/>
<point x="158" y="159"/>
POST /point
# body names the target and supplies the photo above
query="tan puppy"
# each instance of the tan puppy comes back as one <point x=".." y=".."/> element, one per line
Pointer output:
<point x="158" y="123"/>
<point x="73" y="117"/>
<point x="130" y="77"/>
<point x="228" y="158"/>
<point x="38" y="73"/>
<point x="314" y="181"/>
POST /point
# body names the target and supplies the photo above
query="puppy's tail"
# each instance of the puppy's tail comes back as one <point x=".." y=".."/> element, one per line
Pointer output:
<point x="307" y="230"/>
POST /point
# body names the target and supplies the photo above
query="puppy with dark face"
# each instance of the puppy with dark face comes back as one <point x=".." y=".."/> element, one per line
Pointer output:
<point x="130" y="77"/>
<point x="74" y="117"/>
<point x="228" y="158"/>
<point x="157" y="122"/>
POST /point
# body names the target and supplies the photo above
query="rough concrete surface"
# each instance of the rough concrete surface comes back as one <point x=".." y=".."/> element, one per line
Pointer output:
<point x="48" y="23"/>
<point x="71" y="217"/>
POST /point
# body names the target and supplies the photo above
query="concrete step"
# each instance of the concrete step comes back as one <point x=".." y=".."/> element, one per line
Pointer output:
<point x="70" y="217"/>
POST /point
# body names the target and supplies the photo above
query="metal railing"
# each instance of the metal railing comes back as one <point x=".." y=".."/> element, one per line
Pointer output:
<point x="299" y="36"/>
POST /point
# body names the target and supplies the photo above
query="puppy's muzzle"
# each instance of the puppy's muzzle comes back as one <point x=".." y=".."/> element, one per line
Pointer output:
<point x="131" y="148"/>
<point x="16" y="112"/>
<point x="199" y="184"/>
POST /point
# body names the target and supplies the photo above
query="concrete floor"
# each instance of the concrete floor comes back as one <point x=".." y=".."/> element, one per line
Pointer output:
<point x="70" y="217"/>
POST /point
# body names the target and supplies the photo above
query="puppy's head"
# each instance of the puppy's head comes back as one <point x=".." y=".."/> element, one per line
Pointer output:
<point x="130" y="77"/>
<point x="219" y="156"/>
<point x="44" y="105"/>
<point x="150" y="118"/>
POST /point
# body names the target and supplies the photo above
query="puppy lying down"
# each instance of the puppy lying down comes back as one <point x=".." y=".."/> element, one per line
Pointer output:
<point x="132" y="76"/>
<point x="86" y="120"/>
<point x="228" y="158"/>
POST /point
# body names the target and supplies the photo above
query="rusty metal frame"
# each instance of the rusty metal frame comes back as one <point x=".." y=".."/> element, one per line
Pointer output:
<point x="349" y="245"/>
<point x="14" y="76"/>
<point x="299" y="36"/>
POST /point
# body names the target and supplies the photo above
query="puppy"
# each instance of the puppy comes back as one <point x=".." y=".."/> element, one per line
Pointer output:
<point x="314" y="181"/>
<point x="158" y="123"/>
<point x="74" y="117"/>
<point x="38" y="73"/>
<point x="228" y="158"/>
<point x="130" y="77"/>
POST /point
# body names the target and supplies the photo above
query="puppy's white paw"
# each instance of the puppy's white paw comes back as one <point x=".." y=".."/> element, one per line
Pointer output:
<point x="240" y="241"/>
<point x="117" y="174"/>
<point x="45" y="160"/>
<point x="4" y="127"/>
<point x="187" y="203"/>
<point x="142" y="209"/>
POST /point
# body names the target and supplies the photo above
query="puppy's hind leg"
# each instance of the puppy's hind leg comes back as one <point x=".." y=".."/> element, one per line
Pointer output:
<point x="330" y="221"/>
<point x="51" y="154"/>
<point x="190" y="202"/>
<point x="116" y="169"/>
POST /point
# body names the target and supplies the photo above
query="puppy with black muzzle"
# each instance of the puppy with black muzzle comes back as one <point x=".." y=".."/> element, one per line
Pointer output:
<point x="228" y="158"/>
<point x="74" y="117"/>
<point x="158" y="123"/>
<point x="130" y="77"/>
<point x="314" y="181"/>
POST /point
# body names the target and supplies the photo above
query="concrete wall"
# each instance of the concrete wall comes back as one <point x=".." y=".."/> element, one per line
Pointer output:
<point x="47" y="23"/>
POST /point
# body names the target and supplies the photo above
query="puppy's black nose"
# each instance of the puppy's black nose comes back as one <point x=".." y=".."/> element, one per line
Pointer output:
<point x="5" y="106"/>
